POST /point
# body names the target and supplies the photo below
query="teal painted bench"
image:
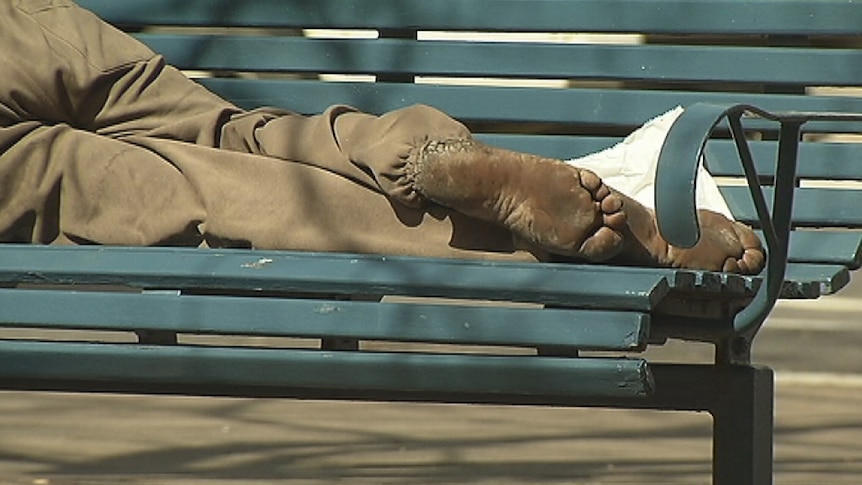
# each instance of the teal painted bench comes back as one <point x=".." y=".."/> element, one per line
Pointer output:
<point x="374" y="327"/>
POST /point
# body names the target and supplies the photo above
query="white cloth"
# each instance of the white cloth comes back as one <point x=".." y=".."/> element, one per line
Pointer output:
<point x="630" y="166"/>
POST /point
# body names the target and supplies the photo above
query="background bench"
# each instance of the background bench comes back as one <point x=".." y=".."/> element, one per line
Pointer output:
<point x="339" y="326"/>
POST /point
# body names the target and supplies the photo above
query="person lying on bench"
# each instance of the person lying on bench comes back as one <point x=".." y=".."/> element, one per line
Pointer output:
<point x="101" y="142"/>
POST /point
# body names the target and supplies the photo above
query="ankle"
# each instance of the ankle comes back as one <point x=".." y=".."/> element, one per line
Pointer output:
<point x="453" y="172"/>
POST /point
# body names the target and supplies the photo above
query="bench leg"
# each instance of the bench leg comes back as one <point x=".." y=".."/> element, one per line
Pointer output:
<point x="339" y="344"/>
<point x="156" y="337"/>
<point x="743" y="426"/>
<point x="740" y="400"/>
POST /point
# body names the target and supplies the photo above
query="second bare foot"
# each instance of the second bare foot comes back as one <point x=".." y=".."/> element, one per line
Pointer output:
<point x="724" y="245"/>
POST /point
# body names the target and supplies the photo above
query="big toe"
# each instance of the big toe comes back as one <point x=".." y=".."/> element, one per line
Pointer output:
<point x="753" y="257"/>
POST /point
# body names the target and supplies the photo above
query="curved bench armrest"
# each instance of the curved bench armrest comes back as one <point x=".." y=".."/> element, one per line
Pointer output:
<point x="676" y="178"/>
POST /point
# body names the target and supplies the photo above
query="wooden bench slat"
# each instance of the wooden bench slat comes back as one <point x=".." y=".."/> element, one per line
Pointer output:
<point x="248" y="272"/>
<point x="806" y="281"/>
<point x="664" y="63"/>
<point x="563" y="147"/>
<point x="590" y="286"/>
<point x="756" y="17"/>
<point x="296" y="372"/>
<point x="826" y="247"/>
<point x="817" y="160"/>
<point x="623" y="108"/>
<point x="812" y="207"/>
<point x="276" y="317"/>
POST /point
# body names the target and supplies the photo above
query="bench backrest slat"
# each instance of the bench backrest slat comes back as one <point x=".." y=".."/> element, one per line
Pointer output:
<point x="824" y="246"/>
<point x="633" y="62"/>
<point x="618" y="109"/>
<point x="817" y="207"/>
<point x="817" y="161"/>
<point x="746" y="17"/>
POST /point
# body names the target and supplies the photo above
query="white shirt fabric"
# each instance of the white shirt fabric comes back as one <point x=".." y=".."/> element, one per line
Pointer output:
<point x="630" y="166"/>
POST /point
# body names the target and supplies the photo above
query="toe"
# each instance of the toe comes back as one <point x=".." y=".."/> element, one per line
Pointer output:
<point x="615" y="220"/>
<point x="753" y="258"/>
<point x="604" y="244"/>
<point x="731" y="265"/>
<point x="591" y="181"/>
<point x="611" y="204"/>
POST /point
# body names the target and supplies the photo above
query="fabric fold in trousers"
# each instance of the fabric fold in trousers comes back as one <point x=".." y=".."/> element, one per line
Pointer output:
<point x="102" y="142"/>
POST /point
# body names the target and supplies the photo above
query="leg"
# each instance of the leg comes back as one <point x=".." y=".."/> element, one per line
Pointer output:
<point x="419" y="154"/>
<point x="70" y="67"/>
<point x="113" y="86"/>
<point x="60" y="185"/>
<point x="570" y="212"/>
<point x="743" y="427"/>
<point x="266" y="203"/>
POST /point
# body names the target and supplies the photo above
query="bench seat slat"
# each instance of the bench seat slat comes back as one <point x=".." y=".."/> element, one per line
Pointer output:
<point x="626" y="109"/>
<point x="756" y="17"/>
<point x="806" y="281"/>
<point x="271" y="317"/>
<point x="589" y="286"/>
<point x="565" y="284"/>
<point x="292" y="372"/>
<point x="661" y="63"/>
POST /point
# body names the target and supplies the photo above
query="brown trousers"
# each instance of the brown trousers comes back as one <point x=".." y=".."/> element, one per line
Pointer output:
<point x="101" y="142"/>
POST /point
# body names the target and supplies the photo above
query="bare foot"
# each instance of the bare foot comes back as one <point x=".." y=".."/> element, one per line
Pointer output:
<point x="724" y="245"/>
<point x="559" y="208"/>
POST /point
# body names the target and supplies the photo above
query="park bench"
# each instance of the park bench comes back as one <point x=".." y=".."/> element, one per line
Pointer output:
<point x="761" y="81"/>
